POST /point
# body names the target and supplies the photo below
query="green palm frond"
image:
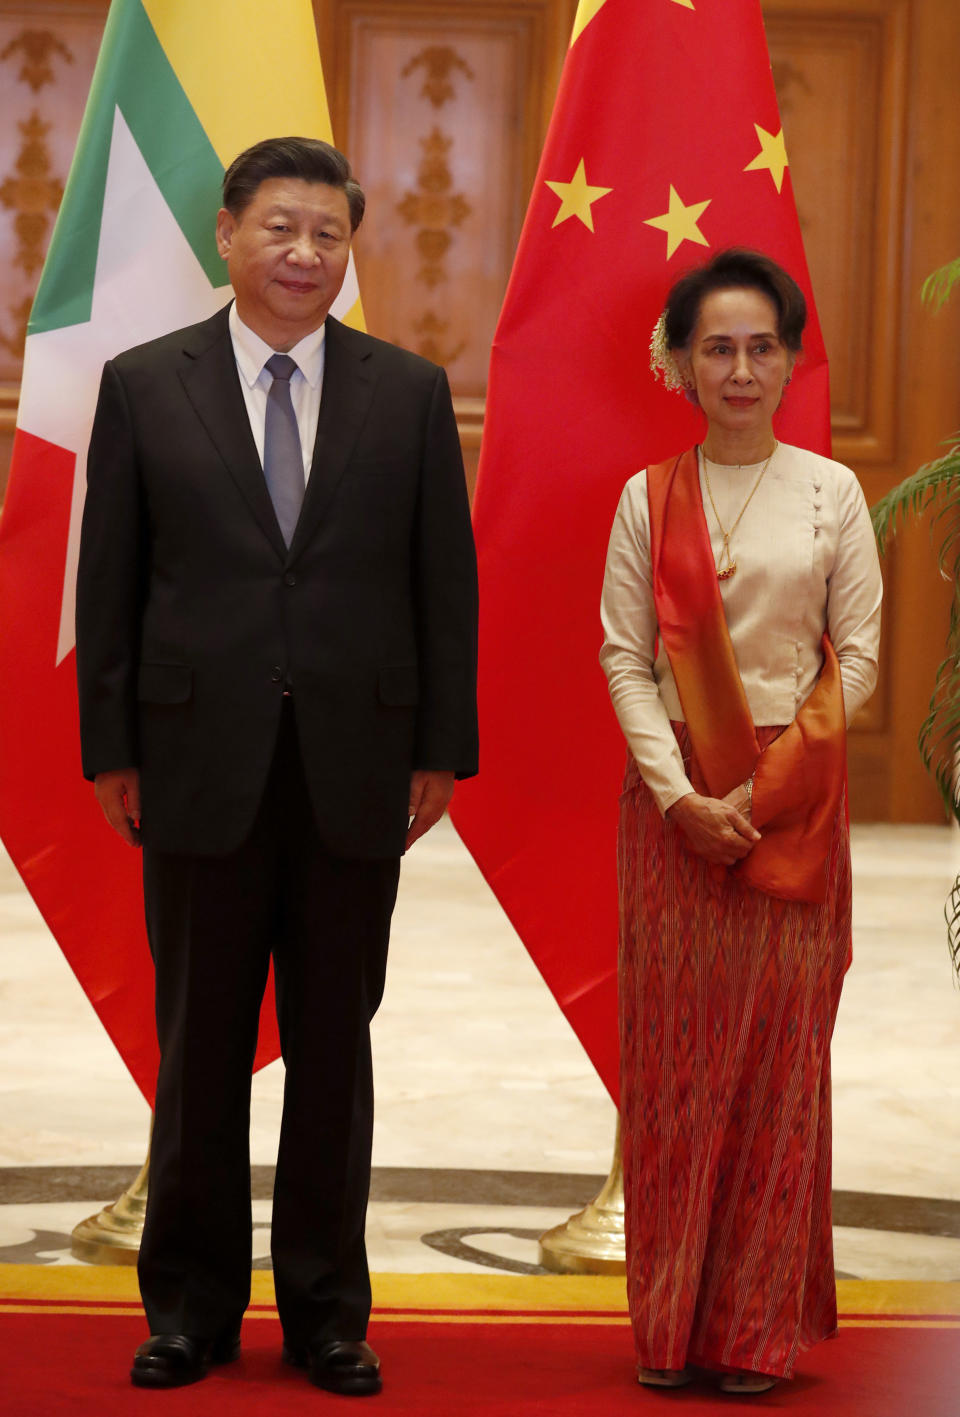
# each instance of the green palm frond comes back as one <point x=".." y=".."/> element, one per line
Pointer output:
<point x="951" y="913"/>
<point x="939" y="737"/>
<point x="937" y="482"/>
<point x="936" y="288"/>
<point x="935" y="487"/>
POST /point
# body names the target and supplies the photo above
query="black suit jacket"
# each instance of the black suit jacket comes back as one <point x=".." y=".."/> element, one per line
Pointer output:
<point x="192" y="616"/>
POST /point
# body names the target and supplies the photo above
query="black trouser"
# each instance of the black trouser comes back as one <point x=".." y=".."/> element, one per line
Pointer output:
<point x="213" y="923"/>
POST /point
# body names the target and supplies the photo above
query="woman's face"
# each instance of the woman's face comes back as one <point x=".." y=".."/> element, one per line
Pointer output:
<point x="736" y="360"/>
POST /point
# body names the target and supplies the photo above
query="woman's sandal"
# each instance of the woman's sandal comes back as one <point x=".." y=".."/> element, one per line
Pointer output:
<point x="747" y="1384"/>
<point x="664" y="1377"/>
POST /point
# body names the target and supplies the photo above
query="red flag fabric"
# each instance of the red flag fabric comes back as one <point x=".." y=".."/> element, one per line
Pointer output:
<point x="85" y="881"/>
<point x="665" y="145"/>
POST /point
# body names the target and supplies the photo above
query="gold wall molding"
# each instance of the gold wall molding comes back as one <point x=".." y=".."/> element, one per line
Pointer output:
<point x="433" y="208"/>
<point x="13" y="343"/>
<point x="32" y="191"/>
<point x="431" y="329"/>
<point x="439" y="60"/>
<point x="33" y="195"/>
<point x="36" y="49"/>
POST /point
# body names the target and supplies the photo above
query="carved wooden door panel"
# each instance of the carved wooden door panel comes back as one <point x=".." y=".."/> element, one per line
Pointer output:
<point x="442" y="106"/>
<point x="867" y="95"/>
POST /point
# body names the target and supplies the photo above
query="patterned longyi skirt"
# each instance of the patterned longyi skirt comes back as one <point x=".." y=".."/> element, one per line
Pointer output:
<point x="728" y="999"/>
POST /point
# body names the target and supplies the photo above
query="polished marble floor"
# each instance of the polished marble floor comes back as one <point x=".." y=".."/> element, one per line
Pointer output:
<point x="491" y="1124"/>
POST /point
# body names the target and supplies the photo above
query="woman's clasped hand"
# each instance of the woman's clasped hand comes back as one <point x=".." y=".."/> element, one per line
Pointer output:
<point x="714" y="827"/>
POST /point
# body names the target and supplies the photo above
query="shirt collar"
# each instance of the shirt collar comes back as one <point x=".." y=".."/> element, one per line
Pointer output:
<point x="252" y="352"/>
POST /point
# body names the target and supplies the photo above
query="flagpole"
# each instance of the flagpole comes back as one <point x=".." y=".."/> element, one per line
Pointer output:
<point x="113" y="1235"/>
<point x="593" y="1241"/>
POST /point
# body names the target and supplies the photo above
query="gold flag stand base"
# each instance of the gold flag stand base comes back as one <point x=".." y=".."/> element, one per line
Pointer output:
<point x="592" y="1241"/>
<point x="112" y="1236"/>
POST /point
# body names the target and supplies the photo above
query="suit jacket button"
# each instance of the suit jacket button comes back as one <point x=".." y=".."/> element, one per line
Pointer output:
<point x="289" y="578"/>
<point x="276" y="674"/>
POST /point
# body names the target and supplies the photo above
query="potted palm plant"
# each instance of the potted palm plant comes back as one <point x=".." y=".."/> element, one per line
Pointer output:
<point x="935" y="487"/>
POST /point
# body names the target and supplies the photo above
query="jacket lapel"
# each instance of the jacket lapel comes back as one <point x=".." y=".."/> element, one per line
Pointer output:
<point x="348" y="383"/>
<point x="209" y="376"/>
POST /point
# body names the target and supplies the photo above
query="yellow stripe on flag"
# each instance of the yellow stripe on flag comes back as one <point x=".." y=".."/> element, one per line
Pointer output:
<point x="250" y="70"/>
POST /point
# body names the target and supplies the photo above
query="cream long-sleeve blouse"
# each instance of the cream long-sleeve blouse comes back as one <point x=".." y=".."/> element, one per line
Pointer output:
<point x="806" y="561"/>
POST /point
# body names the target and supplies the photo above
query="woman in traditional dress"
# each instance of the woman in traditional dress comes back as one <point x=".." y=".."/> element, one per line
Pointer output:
<point x="741" y="613"/>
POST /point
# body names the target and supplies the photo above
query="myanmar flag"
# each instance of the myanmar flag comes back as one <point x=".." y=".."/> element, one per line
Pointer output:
<point x="665" y="145"/>
<point x="179" y="89"/>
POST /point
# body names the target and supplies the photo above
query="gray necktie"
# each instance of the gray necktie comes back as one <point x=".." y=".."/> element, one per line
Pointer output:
<point x="282" y="454"/>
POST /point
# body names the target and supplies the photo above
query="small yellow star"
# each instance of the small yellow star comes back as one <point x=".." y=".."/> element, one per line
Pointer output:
<point x="772" y="155"/>
<point x="577" y="197"/>
<point x="680" y="222"/>
<point x="585" y="13"/>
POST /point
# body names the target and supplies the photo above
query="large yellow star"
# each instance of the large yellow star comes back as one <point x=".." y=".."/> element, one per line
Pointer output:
<point x="687" y="4"/>
<point x="772" y="155"/>
<point x="680" y="222"/>
<point x="577" y="197"/>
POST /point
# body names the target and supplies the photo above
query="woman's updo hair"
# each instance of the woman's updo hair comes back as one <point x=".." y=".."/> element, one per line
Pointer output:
<point x="736" y="269"/>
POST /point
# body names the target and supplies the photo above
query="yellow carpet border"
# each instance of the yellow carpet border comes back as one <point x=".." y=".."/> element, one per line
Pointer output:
<point x="460" y="1298"/>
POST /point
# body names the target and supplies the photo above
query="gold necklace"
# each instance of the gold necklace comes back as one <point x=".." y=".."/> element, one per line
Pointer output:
<point x="727" y="566"/>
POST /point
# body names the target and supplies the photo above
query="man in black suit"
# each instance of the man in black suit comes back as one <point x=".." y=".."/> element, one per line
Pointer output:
<point x="276" y="652"/>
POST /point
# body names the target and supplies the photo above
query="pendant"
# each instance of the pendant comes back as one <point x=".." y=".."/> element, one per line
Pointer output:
<point x="726" y="566"/>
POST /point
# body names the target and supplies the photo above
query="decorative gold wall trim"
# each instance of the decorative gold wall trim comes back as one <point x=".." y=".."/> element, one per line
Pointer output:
<point x="470" y="414"/>
<point x="9" y="399"/>
<point x="31" y="192"/>
<point x="33" y="195"/>
<point x="36" y="47"/>
<point x="431" y="328"/>
<point x="14" y="343"/>
<point x="438" y="60"/>
<point x="433" y="208"/>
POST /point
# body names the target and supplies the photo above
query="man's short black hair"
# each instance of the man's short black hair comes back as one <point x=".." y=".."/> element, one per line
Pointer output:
<point x="736" y="269"/>
<point x="310" y="159"/>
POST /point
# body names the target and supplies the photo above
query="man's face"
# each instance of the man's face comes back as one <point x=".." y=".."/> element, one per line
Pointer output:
<point x="286" y="255"/>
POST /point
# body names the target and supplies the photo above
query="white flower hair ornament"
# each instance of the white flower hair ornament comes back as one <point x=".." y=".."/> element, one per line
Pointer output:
<point x="662" y="362"/>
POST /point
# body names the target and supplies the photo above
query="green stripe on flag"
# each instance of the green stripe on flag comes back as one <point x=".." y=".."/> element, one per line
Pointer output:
<point x="134" y="75"/>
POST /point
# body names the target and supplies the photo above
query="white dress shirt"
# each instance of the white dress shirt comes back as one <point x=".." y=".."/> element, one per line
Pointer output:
<point x="806" y="561"/>
<point x="306" y="382"/>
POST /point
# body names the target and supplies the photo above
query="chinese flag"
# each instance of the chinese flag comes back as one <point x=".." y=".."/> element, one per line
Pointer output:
<point x="665" y="145"/>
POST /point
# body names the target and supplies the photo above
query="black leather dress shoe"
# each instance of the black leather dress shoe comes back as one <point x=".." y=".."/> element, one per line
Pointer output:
<point x="337" y="1365"/>
<point x="175" y="1359"/>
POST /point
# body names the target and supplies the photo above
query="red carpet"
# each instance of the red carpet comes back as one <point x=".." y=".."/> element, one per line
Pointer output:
<point x="64" y="1352"/>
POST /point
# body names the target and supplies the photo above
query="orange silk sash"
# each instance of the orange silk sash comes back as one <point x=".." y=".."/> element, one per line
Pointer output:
<point x="798" y="778"/>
